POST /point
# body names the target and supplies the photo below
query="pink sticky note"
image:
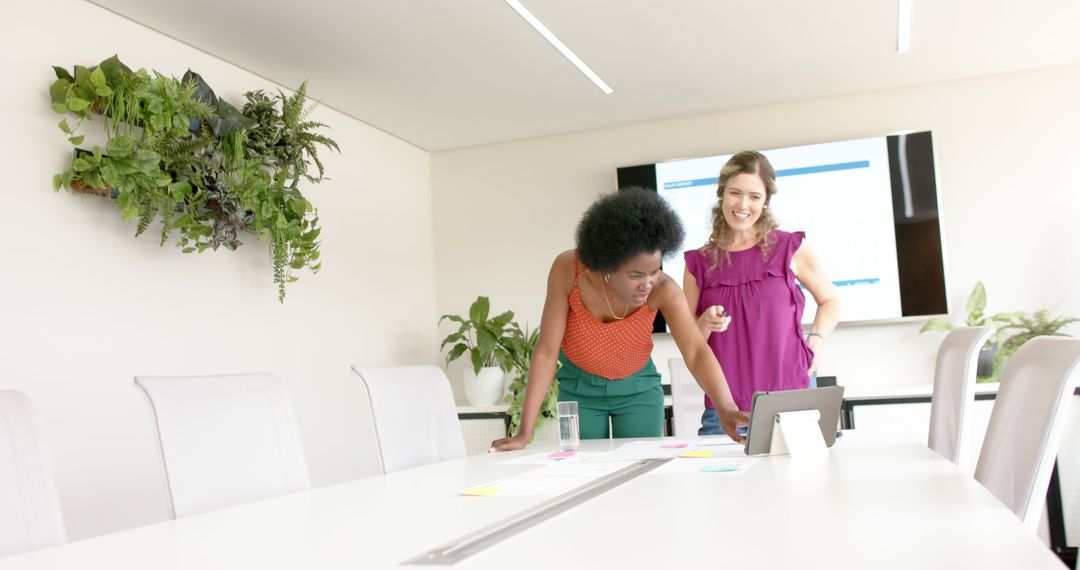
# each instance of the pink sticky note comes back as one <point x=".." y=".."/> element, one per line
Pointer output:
<point x="562" y="454"/>
<point x="674" y="445"/>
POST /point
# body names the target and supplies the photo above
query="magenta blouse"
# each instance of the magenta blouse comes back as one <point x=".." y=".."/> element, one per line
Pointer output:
<point x="763" y="348"/>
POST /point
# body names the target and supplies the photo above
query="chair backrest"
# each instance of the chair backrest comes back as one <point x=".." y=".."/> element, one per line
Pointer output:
<point x="30" y="516"/>
<point x="1027" y="422"/>
<point x="687" y="399"/>
<point x="225" y="440"/>
<point x="416" y="421"/>
<point x="954" y="390"/>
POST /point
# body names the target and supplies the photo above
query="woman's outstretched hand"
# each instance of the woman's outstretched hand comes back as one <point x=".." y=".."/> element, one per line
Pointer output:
<point x="730" y="419"/>
<point x="509" y="444"/>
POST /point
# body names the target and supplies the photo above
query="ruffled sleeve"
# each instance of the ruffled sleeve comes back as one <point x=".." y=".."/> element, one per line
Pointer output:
<point x="794" y="240"/>
<point x="694" y="264"/>
<point x="782" y="252"/>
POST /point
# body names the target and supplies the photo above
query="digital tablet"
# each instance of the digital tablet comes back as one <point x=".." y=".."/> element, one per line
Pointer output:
<point x="765" y="406"/>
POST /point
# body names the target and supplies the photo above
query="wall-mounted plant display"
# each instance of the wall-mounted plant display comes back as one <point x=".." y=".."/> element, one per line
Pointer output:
<point x="208" y="172"/>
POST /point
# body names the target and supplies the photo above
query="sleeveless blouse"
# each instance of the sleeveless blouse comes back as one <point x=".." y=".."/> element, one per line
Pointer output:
<point x="612" y="350"/>
<point x="763" y="348"/>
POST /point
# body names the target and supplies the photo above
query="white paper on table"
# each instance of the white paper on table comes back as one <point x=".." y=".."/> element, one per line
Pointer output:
<point x="551" y="480"/>
<point x="544" y="458"/>
<point x="709" y="466"/>
<point x="650" y="449"/>
<point x="716" y="440"/>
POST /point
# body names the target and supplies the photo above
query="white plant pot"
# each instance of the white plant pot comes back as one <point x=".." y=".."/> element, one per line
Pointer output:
<point x="486" y="388"/>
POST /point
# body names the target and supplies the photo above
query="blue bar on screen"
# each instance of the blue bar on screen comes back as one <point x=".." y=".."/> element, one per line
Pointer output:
<point x="687" y="183"/>
<point x="851" y="282"/>
<point x="786" y="172"/>
<point x="823" y="168"/>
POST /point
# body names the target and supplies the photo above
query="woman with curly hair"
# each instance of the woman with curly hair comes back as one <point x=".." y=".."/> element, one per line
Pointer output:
<point x="742" y="286"/>
<point x="597" y="322"/>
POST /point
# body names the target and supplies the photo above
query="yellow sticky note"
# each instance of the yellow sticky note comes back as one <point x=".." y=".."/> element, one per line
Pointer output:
<point x="481" y="491"/>
<point x="697" y="453"/>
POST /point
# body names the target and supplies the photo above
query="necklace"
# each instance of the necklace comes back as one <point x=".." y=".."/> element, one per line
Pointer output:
<point x="610" y="310"/>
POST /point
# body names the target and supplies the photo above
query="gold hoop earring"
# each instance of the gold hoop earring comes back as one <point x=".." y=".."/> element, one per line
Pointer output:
<point x="607" y="277"/>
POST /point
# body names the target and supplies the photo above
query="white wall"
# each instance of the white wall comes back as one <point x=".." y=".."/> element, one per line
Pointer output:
<point x="85" y="306"/>
<point x="1006" y="149"/>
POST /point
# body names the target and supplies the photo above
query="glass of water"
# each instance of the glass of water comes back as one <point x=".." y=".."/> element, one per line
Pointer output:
<point x="569" y="436"/>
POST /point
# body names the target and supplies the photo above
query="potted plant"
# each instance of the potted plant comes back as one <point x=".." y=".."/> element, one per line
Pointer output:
<point x="524" y="344"/>
<point x="1023" y="327"/>
<point x="1013" y="329"/>
<point x="489" y="342"/>
<point x="976" y="317"/>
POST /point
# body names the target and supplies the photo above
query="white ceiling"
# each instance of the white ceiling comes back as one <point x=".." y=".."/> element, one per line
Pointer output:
<point x="443" y="74"/>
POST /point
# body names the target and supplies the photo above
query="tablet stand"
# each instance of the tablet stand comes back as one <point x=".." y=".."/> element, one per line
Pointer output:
<point x="797" y="434"/>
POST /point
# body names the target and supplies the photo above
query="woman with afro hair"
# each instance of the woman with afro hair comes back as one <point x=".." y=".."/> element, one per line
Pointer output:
<point x="597" y="322"/>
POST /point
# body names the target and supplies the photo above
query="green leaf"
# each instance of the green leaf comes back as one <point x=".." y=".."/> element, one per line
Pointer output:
<point x="77" y="105"/>
<point x="1006" y="317"/>
<point x="77" y="140"/>
<point x="97" y="79"/>
<point x="976" y="303"/>
<point x="57" y="181"/>
<point x="62" y="73"/>
<point x="450" y="339"/>
<point x="114" y="70"/>
<point x="936" y="325"/>
<point x="60" y="108"/>
<point x="455" y="353"/>
<point x="82" y="74"/>
<point x="63" y="124"/>
<point x="501" y="320"/>
<point x="485" y="342"/>
<point x="58" y="90"/>
<point x="453" y="318"/>
<point x="502" y="361"/>
<point x="477" y="361"/>
<point x="120" y="147"/>
<point x="80" y="165"/>
<point x="478" y="312"/>
<point x="179" y="190"/>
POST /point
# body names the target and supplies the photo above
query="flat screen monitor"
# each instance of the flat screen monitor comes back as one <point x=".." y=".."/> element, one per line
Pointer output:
<point x="868" y="206"/>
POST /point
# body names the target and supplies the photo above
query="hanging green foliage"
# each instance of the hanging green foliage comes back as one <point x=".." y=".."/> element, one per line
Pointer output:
<point x="208" y="172"/>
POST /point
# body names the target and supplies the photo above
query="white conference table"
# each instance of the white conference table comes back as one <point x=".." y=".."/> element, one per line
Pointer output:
<point x="891" y="505"/>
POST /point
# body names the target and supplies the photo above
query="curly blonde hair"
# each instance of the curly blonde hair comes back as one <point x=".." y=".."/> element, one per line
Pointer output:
<point x="745" y="162"/>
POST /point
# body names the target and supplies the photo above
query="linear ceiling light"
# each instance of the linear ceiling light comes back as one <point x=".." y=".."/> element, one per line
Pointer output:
<point x="550" y="37"/>
<point x="903" y="25"/>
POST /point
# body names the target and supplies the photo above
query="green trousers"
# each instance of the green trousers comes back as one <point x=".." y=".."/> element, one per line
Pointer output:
<point x="634" y="405"/>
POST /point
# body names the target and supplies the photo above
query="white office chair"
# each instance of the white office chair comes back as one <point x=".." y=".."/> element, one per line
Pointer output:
<point x="30" y="516"/>
<point x="687" y="399"/>
<point x="416" y="422"/>
<point x="1027" y="422"/>
<point x="954" y="383"/>
<point x="225" y="440"/>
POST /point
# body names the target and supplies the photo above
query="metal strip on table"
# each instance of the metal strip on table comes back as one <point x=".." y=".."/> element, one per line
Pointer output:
<point x="469" y="544"/>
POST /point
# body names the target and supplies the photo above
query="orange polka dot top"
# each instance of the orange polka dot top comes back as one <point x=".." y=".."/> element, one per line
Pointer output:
<point x="612" y="350"/>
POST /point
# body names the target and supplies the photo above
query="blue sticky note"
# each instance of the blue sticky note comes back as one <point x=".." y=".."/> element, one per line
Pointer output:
<point x="719" y="468"/>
